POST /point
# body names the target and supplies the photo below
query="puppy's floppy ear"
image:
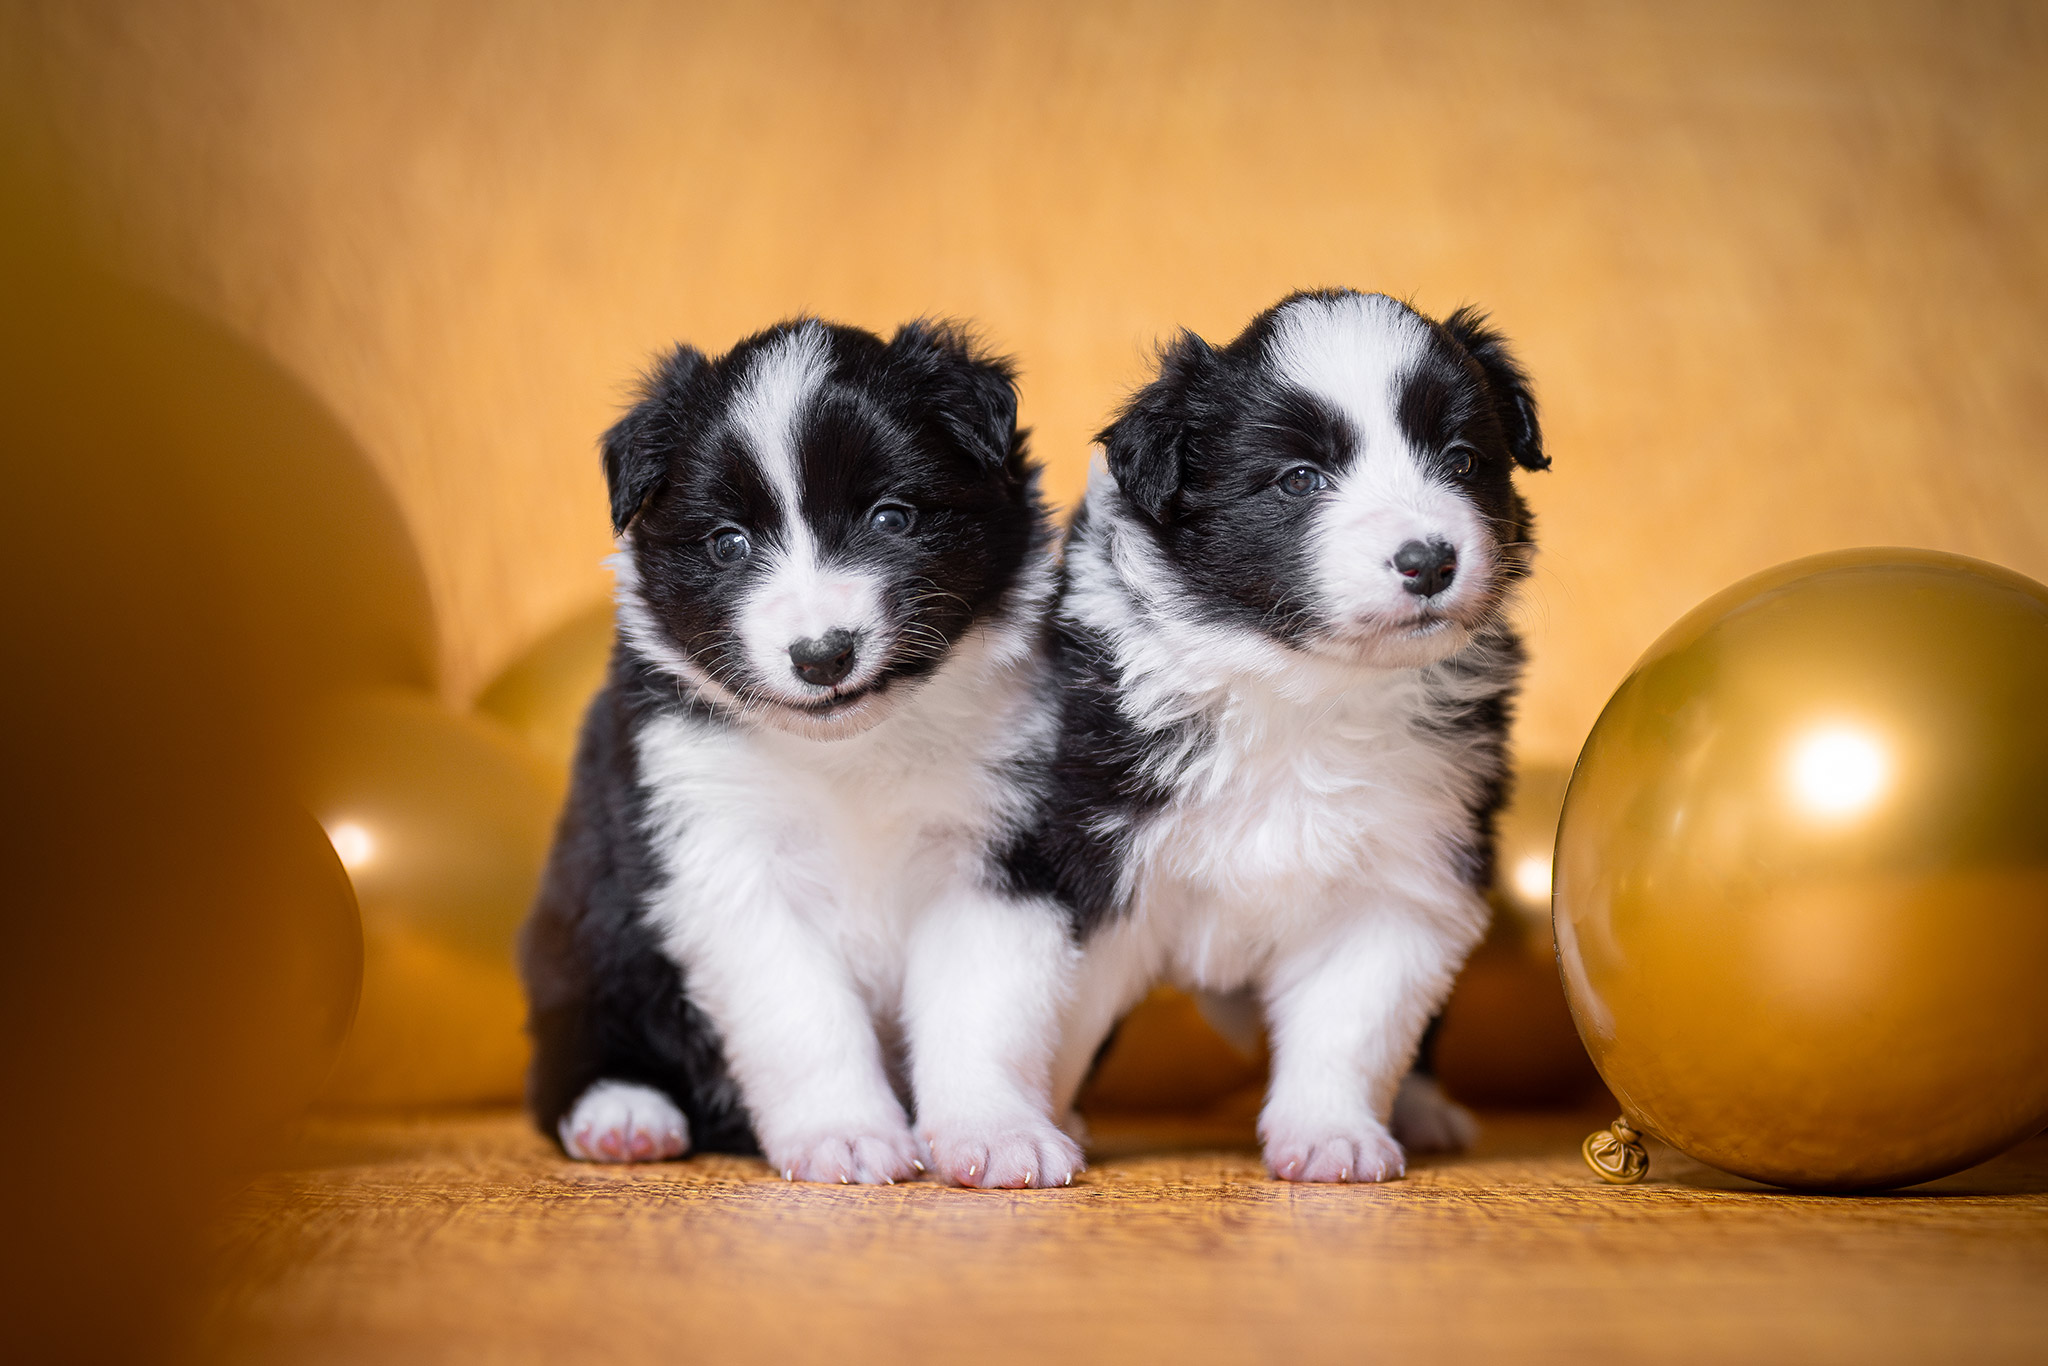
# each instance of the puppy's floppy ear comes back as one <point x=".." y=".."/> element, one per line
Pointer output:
<point x="972" y="395"/>
<point x="1513" y="401"/>
<point x="1147" y="445"/>
<point x="637" y="446"/>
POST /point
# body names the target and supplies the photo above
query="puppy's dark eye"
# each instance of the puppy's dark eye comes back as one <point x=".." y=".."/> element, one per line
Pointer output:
<point x="1302" y="481"/>
<point x="1458" y="460"/>
<point x="729" y="547"/>
<point x="890" y="520"/>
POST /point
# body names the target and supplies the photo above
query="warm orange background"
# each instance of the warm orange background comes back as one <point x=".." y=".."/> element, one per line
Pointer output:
<point x="1781" y="271"/>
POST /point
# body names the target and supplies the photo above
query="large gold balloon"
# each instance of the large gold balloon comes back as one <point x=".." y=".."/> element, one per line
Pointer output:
<point x="1802" y="874"/>
<point x="443" y="823"/>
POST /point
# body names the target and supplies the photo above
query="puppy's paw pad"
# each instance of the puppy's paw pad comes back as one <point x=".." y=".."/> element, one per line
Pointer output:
<point x="1309" y="1153"/>
<point x="1005" y="1156"/>
<point x="619" y="1121"/>
<point x="1428" y="1121"/>
<point x="863" y="1157"/>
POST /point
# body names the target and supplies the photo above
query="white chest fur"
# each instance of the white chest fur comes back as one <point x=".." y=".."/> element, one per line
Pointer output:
<point x="1300" y="813"/>
<point x="854" y="838"/>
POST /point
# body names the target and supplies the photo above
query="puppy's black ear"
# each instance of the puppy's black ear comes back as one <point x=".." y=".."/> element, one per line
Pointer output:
<point x="1147" y="445"/>
<point x="1512" y="399"/>
<point x="972" y="395"/>
<point x="636" y="449"/>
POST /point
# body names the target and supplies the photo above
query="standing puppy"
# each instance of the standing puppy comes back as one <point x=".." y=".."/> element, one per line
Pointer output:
<point x="1284" y="678"/>
<point x="831" y="579"/>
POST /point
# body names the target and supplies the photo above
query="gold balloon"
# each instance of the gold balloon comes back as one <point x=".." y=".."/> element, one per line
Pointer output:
<point x="218" y="491"/>
<point x="264" y="981"/>
<point x="1802" y="875"/>
<point x="443" y="823"/>
<point x="1526" y="842"/>
<point x="541" y="696"/>
<point x="1169" y="1056"/>
<point x="189" y="546"/>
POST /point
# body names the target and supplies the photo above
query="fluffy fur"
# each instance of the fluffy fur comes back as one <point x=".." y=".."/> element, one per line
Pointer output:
<point x="766" y="925"/>
<point x="1281" y="678"/>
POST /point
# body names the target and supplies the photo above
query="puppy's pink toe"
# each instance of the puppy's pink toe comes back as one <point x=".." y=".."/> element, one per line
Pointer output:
<point x="623" y="1122"/>
<point x="1025" y="1156"/>
<point x="1314" y="1153"/>
<point x="881" y="1157"/>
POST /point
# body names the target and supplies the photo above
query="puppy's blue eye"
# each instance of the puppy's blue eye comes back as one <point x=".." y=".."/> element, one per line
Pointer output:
<point x="1302" y="481"/>
<point x="890" y="521"/>
<point x="729" y="547"/>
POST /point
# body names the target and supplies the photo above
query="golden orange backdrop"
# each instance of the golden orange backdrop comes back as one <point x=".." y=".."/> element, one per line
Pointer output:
<point x="1781" y="272"/>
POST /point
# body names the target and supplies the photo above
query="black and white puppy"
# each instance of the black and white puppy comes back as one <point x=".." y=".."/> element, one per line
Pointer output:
<point x="1283" y="675"/>
<point x="764" y="924"/>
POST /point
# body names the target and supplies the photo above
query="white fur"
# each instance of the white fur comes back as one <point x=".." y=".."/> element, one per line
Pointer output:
<point x="779" y="381"/>
<point x="1348" y="351"/>
<point x="982" y="1003"/>
<point x="619" y="1121"/>
<point x="816" y="888"/>
<point x="801" y="597"/>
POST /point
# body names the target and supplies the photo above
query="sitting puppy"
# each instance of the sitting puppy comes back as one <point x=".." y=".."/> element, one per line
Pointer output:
<point x="832" y="574"/>
<point x="1283" y="677"/>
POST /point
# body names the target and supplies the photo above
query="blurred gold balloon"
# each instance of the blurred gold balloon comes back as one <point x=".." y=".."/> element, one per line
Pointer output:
<point x="264" y="984"/>
<point x="443" y="822"/>
<point x="1802" y="874"/>
<point x="541" y="696"/>
<point x="1169" y="1056"/>
<point x="190" y="547"/>
<point x="1526" y="844"/>
<point x="1506" y="1038"/>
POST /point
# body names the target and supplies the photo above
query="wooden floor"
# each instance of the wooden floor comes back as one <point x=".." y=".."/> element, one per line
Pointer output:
<point x="466" y="1239"/>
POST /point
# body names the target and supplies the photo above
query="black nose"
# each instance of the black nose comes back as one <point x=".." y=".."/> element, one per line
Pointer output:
<point x="1428" y="567"/>
<point x="826" y="660"/>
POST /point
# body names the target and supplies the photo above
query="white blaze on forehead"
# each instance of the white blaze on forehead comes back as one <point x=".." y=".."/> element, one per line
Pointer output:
<point x="1351" y="352"/>
<point x="779" y="381"/>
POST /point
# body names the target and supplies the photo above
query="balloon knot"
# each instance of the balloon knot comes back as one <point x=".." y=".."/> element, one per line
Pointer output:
<point x="1616" y="1154"/>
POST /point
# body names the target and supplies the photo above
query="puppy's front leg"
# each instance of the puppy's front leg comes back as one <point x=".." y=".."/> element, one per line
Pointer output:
<point x="1345" y="1015"/>
<point x="986" y="984"/>
<point x="799" y="1041"/>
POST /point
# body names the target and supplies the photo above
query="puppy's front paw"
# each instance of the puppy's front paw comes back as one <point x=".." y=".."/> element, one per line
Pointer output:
<point x="878" y="1156"/>
<point x="1362" y="1151"/>
<point x="621" y="1121"/>
<point x="1428" y="1121"/>
<point x="1003" y="1156"/>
